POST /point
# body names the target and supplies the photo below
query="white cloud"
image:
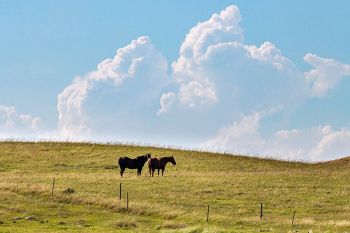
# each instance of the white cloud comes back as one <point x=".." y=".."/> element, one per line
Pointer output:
<point x="223" y="27"/>
<point x="166" y="100"/>
<point x="195" y="87"/>
<point x="138" y="62"/>
<point x="197" y="92"/>
<point x="215" y="67"/>
<point x="311" y="144"/>
<point x="333" y="144"/>
<point x="325" y="76"/>
<point x="14" y="124"/>
<point x="267" y="52"/>
<point x="216" y="79"/>
<point x="240" y="136"/>
<point x="70" y="113"/>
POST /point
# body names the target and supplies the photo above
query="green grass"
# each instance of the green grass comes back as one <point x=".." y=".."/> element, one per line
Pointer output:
<point x="233" y="186"/>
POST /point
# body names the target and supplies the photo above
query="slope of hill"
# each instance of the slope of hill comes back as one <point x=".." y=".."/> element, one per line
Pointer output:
<point x="233" y="186"/>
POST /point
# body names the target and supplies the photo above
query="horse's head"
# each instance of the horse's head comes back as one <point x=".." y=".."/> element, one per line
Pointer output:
<point x="148" y="156"/>
<point x="172" y="160"/>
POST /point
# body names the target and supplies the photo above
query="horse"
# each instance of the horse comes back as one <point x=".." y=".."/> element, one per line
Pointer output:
<point x="136" y="163"/>
<point x="154" y="163"/>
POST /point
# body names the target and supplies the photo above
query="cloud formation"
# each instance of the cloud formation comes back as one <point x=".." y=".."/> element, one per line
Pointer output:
<point x="166" y="101"/>
<point x="14" y="124"/>
<point x="326" y="75"/>
<point x="138" y="64"/>
<point x="195" y="87"/>
<point x="311" y="144"/>
<point x="216" y="80"/>
<point x="216" y="67"/>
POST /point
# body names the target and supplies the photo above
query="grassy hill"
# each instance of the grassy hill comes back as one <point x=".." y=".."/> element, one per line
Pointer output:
<point x="233" y="186"/>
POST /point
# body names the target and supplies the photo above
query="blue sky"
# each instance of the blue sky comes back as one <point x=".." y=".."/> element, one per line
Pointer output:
<point x="288" y="98"/>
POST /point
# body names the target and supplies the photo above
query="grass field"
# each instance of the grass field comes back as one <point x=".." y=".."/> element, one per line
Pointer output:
<point x="233" y="186"/>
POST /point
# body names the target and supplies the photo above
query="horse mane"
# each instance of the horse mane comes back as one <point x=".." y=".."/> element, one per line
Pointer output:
<point x="166" y="158"/>
<point x="144" y="157"/>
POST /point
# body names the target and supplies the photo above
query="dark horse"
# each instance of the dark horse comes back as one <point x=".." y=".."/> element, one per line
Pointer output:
<point x="155" y="163"/>
<point x="136" y="163"/>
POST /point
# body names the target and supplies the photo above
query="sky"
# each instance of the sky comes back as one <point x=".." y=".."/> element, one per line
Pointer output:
<point x="267" y="78"/>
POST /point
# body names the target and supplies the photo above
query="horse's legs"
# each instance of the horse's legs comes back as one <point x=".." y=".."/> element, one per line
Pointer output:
<point x="158" y="172"/>
<point x="122" y="171"/>
<point x="163" y="171"/>
<point x="150" y="172"/>
<point x="139" y="171"/>
<point x="153" y="172"/>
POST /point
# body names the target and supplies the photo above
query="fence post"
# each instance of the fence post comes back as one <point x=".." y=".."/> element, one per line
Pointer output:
<point x="120" y="191"/>
<point x="293" y="218"/>
<point x="208" y="214"/>
<point x="127" y="201"/>
<point x="261" y="211"/>
<point x="53" y="186"/>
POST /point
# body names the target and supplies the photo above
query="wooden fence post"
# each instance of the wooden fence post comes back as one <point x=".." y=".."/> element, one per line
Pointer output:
<point x="208" y="214"/>
<point x="293" y="218"/>
<point x="53" y="186"/>
<point x="127" y="201"/>
<point x="120" y="191"/>
<point x="261" y="211"/>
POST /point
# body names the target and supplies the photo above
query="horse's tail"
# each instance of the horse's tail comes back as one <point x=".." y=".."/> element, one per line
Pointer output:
<point x="149" y="163"/>
<point x="120" y="163"/>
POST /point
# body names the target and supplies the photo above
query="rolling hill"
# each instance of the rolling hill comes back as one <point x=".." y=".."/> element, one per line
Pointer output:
<point x="85" y="196"/>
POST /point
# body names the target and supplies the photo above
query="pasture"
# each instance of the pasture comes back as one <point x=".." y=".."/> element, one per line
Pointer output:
<point x="233" y="187"/>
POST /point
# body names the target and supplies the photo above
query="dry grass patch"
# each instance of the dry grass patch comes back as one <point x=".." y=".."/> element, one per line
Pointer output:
<point x="126" y="224"/>
<point x="172" y="225"/>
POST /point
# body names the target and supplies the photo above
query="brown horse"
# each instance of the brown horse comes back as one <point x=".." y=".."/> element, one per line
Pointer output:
<point x="137" y="163"/>
<point x="155" y="163"/>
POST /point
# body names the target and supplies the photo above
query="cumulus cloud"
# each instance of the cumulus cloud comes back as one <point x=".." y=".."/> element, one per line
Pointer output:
<point x="216" y="79"/>
<point x="332" y="144"/>
<point x="311" y="144"/>
<point x="14" y="124"/>
<point x="325" y="76"/>
<point x="223" y="27"/>
<point x="138" y="66"/>
<point x="195" y="87"/>
<point x="241" y="136"/>
<point x="215" y="67"/>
